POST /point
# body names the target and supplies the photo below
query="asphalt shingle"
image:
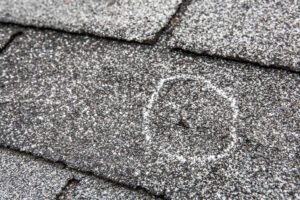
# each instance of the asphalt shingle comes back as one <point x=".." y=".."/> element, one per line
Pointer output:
<point x="92" y="188"/>
<point x="264" y="32"/>
<point x="6" y="33"/>
<point x="177" y="125"/>
<point x="138" y="20"/>
<point x="25" y="177"/>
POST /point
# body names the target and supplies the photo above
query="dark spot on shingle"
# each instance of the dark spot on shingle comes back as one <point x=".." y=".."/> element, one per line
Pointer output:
<point x="247" y="141"/>
<point x="297" y="155"/>
<point x="214" y="169"/>
<point x="246" y="6"/>
<point x="183" y="123"/>
<point x="111" y="2"/>
<point x="68" y="190"/>
<point x="75" y="75"/>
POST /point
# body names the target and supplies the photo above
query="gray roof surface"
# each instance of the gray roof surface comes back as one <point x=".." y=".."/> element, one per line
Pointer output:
<point x="93" y="188"/>
<point x="138" y="20"/>
<point x="24" y="177"/>
<point x="264" y="32"/>
<point x="178" y="125"/>
<point x="6" y="33"/>
<point x="103" y="118"/>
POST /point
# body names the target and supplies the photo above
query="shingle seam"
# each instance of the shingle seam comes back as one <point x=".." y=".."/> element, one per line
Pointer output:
<point x="10" y="40"/>
<point x="63" y="165"/>
<point x="25" y="153"/>
<point x="227" y="37"/>
<point x="69" y="183"/>
<point x="234" y="59"/>
<point x="75" y="33"/>
<point x="173" y="20"/>
<point x="167" y="28"/>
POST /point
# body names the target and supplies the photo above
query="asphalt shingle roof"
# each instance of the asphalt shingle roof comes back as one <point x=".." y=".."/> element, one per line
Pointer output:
<point x="138" y="20"/>
<point x="175" y="124"/>
<point x="264" y="32"/>
<point x="146" y="116"/>
<point x="6" y="32"/>
<point x="24" y="177"/>
<point x="94" y="188"/>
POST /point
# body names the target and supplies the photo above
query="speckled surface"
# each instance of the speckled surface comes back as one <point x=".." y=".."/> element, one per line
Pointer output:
<point x="181" y="126"/>
<point x="25" y="177"/>
<point x="138" y="20"/>
<point x="264" y="32"/>
<point x="5" y="34"/>
<point x="92" y="188"/>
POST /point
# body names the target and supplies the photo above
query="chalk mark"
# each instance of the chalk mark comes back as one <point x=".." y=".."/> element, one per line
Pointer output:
<point x="193" y="159"/>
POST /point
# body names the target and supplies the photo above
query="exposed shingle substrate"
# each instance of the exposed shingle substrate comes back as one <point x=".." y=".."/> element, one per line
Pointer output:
<point x="264" y="32"/>
<point x="137" y="114"/>
<point x="25" y="177"/>
<point x="138" y="20"/>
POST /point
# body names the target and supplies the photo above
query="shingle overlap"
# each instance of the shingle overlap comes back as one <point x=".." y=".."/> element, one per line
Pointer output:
<point x="264" y="32"/>
<point x="138" y="20"/>
<point x="6" y="32"/>
<point x="25" y="177"/>
<point x="175" y="124"/>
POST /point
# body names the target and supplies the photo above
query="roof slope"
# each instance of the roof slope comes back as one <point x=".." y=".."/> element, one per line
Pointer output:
<point x="6" y="33"/>
<point x="131" y="113"/>
<point x="24" y="176"/>
<point x="138" y="20"/>
<point x="137" y="121"/>
<point x="264" y="32"/>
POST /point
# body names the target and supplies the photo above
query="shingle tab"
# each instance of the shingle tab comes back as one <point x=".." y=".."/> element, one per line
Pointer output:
<point x="25" y="177"/>
<point x="177" y="125"/>
<point x="264" y="32"/>
<point x="138" y="20"/>
<point x="5" y="34"/>
<point x="92" y="188"/>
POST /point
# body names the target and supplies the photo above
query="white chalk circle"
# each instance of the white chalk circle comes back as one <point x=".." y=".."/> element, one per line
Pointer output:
<point x="202" y="159"/>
